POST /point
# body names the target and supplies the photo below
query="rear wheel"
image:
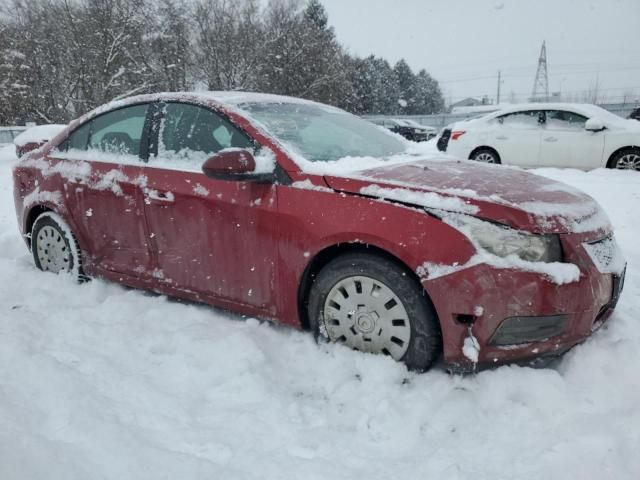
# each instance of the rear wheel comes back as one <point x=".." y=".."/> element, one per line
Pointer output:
<point x="371" y="304"/>
<point x="53" y="245"/>
<point x="628" y="159"/>
<point x="485" y="155"/>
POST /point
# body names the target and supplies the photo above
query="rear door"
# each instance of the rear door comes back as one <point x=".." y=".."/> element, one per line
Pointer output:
<point x="104" y="176"/>
<point x="210" y="237"/>
<point x="516" y="137"/>
<point x="566" y="143"/>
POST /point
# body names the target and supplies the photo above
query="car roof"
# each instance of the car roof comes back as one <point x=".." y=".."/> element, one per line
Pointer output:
<point x="230" y="98"/>
<point x="233" y="100"/>
<point x="586" y="109"/>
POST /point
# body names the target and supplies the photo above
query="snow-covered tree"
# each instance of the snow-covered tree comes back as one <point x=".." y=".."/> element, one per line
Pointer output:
<point x="61" y="58"/>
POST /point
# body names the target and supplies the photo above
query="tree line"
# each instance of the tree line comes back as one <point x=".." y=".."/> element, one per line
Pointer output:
<point x="62" y="58"/>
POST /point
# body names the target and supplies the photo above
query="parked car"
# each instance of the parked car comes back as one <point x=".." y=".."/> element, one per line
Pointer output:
<point x="260" y="204"/>
<point x="409" y="129"/>
<point x="35" y="137"/>
<point x="430" y="131"/>
<point x="547" y="135"/>
<point x="7" y="134"/>
<point x="635" y="114"/>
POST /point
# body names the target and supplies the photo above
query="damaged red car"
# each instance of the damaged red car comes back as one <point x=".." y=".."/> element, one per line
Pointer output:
<point x="295" y="211"/>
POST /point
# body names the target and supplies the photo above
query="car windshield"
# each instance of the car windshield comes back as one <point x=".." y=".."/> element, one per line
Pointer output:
<point x="593" y="111"/>
<point x="323" y="134"/>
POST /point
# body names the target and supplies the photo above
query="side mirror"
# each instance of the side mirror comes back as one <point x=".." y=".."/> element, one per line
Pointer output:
<point x="594" y="125"/>
<point x="234" y="164"/>
<point x="25" y="148"/>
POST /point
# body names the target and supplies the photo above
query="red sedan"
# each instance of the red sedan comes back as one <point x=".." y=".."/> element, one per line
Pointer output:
<point x="291" y="210"/>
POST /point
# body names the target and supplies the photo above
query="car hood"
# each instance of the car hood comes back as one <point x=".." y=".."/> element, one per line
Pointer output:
<point x="494" y="192"/>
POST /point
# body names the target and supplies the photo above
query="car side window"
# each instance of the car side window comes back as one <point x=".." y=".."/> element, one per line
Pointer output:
<point x="524" y="119"/>
<point x="119" y="131"/>
<point x="563" y="120"/>
<point x="191" y="134"/>
<point x="77" y="140"/>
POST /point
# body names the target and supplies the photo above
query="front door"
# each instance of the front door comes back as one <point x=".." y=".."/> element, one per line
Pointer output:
<point x="566" y="143"/>
<point x="211" y="238"/>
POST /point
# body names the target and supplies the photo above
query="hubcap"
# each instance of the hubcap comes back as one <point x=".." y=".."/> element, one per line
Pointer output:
<point x="53" y="254"/>
<point x="485" y="157"/>
<point x="365" y="314"/>
<point x="630" y="161"/>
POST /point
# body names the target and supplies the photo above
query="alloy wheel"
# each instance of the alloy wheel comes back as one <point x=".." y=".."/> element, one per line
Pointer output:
<point x="485" y="157"/>
<point x="629" y="161"/>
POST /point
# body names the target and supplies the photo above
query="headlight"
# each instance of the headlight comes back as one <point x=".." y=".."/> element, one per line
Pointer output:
<point x="504" y="241"/>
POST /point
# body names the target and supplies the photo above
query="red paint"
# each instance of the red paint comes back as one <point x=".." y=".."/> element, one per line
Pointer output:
<point x="245" y="245"/>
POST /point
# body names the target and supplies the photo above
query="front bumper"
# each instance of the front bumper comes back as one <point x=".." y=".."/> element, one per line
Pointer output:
<point x="482" y="297"/>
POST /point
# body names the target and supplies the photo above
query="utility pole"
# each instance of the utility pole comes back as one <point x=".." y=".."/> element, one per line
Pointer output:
<point x="498" y="95"/>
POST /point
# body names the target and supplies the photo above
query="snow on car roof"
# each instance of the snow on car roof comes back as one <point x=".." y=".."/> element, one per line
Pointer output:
<point x="586" y="109"/>
<point x="233" y="99"/>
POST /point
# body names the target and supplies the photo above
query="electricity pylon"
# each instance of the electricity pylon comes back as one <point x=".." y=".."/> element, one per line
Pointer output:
<point x="541" y="84"/>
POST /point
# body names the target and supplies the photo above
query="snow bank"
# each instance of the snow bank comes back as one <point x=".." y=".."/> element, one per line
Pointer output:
<point x="99" y="381"/>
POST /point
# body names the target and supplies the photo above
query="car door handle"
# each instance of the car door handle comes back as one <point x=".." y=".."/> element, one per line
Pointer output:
<point x="550" y="139"/>
<point x="154" y="196"/>
<point x="502" y="137"/>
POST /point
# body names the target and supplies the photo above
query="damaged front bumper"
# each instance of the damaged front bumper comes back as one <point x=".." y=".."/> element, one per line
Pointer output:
<point x="525" y="318"/>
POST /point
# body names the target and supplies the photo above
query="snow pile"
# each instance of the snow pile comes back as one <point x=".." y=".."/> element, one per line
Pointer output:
<point x="265" y="161"/>
<point x="99" y="381"/>
<point x="471" y="347"/>
<point x="307" y="185"/>
<point x="423" y="199"/>
<point x="556" y="272"/>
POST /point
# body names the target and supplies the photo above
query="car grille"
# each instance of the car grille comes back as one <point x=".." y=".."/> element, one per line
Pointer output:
<point x="606" y="255"/>
<point x="443" y="141"/>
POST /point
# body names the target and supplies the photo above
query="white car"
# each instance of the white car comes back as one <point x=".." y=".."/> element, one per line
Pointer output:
<point x="547" y="135"/>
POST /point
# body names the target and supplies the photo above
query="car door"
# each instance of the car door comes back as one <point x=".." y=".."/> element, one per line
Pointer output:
<point x="103" y="168"/>
<point x="210" y="237"/>
<point x="566" y="143"/>
<point x="516" y="137"/>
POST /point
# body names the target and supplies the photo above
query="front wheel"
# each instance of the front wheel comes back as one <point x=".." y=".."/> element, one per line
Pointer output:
<point x="371" y="304"/>
<point x="627" y="160"/>
<point x="53" y="245"/>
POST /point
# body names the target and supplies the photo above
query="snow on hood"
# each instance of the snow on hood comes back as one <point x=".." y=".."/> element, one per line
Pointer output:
<point x="494" y="192"/>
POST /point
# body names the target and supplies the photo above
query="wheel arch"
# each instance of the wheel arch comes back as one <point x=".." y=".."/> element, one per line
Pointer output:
<point x="620" y="150"/>
<point x="327" y="254"/>
<point x="485" y="147"/>
<point x="30" y="218"/>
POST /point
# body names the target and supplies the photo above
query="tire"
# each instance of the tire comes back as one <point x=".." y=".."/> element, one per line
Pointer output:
<point x="627" y="159"/>
<point x="389" y="314"/>
<point x="485" y="155"/>
<point x="54" y="246"/>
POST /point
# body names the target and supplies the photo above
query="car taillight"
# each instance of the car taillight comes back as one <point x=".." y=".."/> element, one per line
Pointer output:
<point x="457" y="134"/>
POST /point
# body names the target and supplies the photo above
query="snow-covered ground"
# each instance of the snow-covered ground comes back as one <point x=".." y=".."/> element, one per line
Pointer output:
<point x="98" y="381"/>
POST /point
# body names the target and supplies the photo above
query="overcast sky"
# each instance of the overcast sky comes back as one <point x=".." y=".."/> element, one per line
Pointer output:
<point x="463" y="43"/>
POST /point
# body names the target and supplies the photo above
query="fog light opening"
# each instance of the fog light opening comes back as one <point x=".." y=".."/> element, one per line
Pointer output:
<point x="465" y="319"/>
